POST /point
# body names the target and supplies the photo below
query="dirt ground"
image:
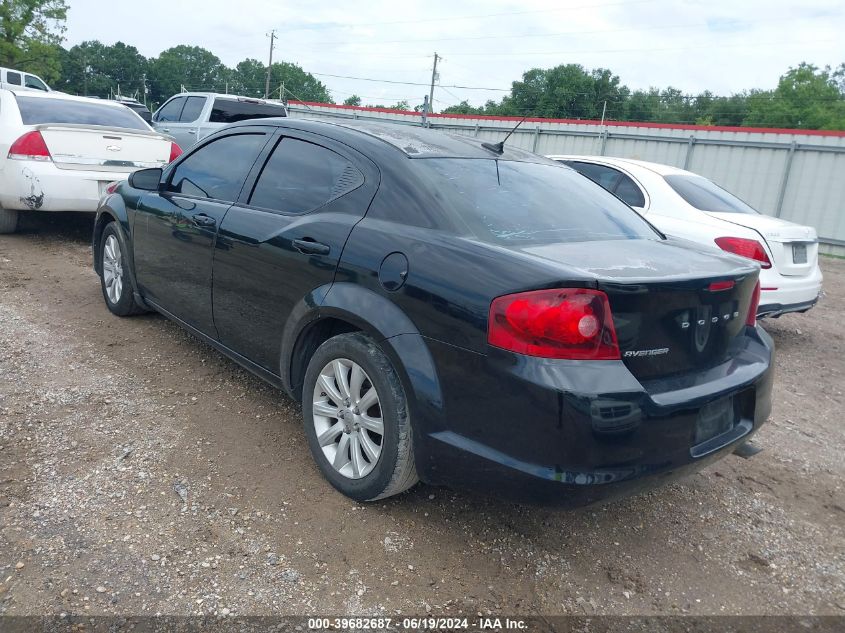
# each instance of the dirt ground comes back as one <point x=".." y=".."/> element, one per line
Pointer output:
<point x="142" y="473"/>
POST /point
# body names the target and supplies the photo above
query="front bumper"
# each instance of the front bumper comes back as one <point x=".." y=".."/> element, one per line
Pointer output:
<point x="574" y="433"/>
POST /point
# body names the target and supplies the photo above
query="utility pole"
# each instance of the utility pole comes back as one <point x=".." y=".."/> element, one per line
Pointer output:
<point x="430" y="106"/>
<point x="269" y="64"/>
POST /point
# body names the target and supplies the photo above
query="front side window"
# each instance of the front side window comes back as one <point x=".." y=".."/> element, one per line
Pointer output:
<point x="706" y="195"/>
<point x="171" y="110"/>
<point x="532" y="203"/>
<point x="35" y="82"/>
<point x="218" y="170"/>
<point x="13" y="78"/>
<point x="192" y="110"/>
<point x="45" y="110"/>
<point x="234" y="110"/>
<point x="300" y="177"/>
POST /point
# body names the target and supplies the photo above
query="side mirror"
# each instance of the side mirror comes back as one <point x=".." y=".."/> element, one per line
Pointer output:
<point x="146" y="179"/>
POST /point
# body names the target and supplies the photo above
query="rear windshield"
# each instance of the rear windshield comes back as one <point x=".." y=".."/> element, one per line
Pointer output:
<point x="508" y="202"/>
<point x="36" y="111"/>
<point x="232" y="111"/>
<point x="706" y="195"/>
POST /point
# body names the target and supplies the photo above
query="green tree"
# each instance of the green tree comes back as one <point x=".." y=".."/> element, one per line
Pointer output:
<point x="567" y="91"/>
<point x="92" y="68"/>
<point x="31" y="32"/>
<point x="193" y="67"/>
<point x="248" y="78"/>
<point x="806" y="97"/>
<point x="352" y="100"/>
<point x="298" y="84"/>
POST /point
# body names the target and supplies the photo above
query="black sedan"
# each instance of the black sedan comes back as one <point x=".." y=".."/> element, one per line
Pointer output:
<point x="445" y="310"/>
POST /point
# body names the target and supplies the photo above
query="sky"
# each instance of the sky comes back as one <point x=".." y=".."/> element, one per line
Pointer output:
<point x="720" y="45"/>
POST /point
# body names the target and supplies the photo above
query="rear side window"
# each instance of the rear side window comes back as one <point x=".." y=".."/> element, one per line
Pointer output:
<point x="300" y="177"/>
<point x="192" y="110"/>
<point x="613" y="180"/>
<point x="171" y="110"/>
<point x="706" y="195"/>
<point x="629" y="192"/>
<point x="532" y="203"/>
<point x="13" y="78"/>
<point x="599" y="174"/>
<point x="41" y="110"/>
<point x="218" y="170"/>
<point x="233" y="110"/>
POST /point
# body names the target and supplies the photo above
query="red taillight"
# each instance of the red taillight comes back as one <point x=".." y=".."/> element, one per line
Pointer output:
<point x="718" y="286"/>
<point x="112" y="187"/>
<point x="572" y="323"/>
<point x="751" y="319"/>
<point x="30" y="146"/>
<point x="175" y="152"/>
<point x="751" y="249"/>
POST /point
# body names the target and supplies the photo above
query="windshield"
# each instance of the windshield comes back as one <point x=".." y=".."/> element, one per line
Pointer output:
<point x="36" y="111"/>
<point x="706" y="195"/>
<point x="509" y="201"/>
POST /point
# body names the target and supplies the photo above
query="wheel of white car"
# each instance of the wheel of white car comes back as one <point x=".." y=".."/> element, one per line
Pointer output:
<point x="8" y="220"/>
<point x="114" y="274"/>
<point x="356" y="419"/>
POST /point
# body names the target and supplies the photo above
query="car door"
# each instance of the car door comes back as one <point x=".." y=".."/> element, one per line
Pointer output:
<point x="185" y="129"/>
<point x="168" y="115"/>
<point x="175" y="229"/>
<point x="284" y="239"/>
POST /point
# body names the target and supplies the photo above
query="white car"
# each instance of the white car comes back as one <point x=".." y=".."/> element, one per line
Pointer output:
<point x="685" y="205"/>
<point x="60" y="153"/>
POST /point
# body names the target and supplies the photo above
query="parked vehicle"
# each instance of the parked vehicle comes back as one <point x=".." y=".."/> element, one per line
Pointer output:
<point x="136" y="106"/>
<point x="686" y="205"/>
<point x="191" y="116"/>
<point x="59" y="153"/>
<point x="12" y="79"/>
<point x="487" y="320"/>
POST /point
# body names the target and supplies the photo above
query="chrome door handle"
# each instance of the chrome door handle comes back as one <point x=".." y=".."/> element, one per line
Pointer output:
<point x="201" y="219"/>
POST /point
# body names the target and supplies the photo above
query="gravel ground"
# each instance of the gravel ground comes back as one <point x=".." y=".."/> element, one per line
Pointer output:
<point x="142" y="473"/>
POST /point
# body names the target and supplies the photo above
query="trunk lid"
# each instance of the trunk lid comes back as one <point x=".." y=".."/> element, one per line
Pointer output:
<point x="104" y="149"/>
<point x="669" y="320"/>
<point x="794" y="247"/>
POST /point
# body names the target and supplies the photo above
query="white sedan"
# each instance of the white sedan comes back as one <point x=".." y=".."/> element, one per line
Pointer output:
<point x="60" y="153"/>
<point x="685" y="205"/>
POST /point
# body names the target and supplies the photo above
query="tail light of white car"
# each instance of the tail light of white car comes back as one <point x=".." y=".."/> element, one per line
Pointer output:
<point x="752" y="249"/>
<point x="30" y="146"/>
<point x="175" y="152"/>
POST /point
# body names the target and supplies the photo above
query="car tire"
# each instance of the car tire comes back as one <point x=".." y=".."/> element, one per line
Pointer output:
<point x="8" y="220"/>
<point x="358" y="426"/>
<point x="114" y="274"/>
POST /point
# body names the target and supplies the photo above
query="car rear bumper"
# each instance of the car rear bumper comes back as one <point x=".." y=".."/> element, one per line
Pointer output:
<point x="41" y="186"/>
<point x="572" y="434"/>
<point x="784" y="293"/>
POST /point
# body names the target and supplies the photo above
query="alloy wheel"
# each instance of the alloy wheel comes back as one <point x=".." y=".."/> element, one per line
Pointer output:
<point x="348" y="418"/>
<point x="112" y="269"/>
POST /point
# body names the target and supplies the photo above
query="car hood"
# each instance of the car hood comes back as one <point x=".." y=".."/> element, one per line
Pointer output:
<point x="772" y="229"/>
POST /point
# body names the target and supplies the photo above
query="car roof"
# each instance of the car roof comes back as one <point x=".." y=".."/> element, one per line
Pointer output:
<point x="413" y="141"/>
<point x="658" y="168"/>
<point x="220" y="95"/>
<point x="37" y="94"/>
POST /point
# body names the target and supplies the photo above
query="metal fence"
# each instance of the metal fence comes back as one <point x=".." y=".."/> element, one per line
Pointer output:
<point x="791" y="174"/>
